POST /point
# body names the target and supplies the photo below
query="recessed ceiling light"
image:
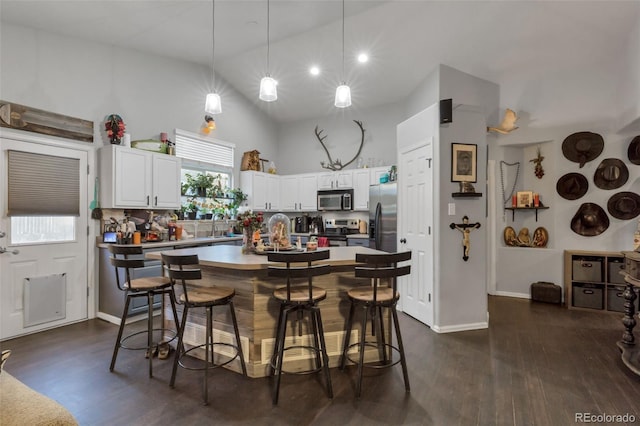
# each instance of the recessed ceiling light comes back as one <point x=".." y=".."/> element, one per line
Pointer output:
<point x="363" y="57"/>
<point x="314" y="70"/>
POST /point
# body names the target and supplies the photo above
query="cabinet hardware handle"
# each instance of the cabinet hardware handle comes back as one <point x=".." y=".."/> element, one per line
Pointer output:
<point x="147" y="200"/>
<point x="155" y="203"/>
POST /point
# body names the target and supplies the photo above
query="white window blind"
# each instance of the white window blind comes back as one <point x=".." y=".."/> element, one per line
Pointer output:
<point x="43" y="185"/>
<point x="190" y="146"/>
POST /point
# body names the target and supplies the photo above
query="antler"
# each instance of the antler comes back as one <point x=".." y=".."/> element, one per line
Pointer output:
<point x="337" y="165"/>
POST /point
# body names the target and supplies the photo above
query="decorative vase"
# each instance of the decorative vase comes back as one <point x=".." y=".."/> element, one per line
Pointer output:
<point x="247" y="241"/>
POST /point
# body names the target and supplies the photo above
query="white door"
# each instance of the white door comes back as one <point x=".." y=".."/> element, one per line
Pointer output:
<point x="29" y="266"/>
<point x="416" y="227"/>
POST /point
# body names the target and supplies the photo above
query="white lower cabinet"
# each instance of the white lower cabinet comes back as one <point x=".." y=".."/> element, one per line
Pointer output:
<point x="133" y="178"/>
<point x="298" y="192"/>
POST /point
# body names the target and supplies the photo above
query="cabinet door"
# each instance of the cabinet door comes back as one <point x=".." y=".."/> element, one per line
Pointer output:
<point x="273" y="192"/>
<point x="289" y="190"/>
<point x="166" y="182"/>
<point x="376" y="173"/>
<point x="326" y="181"/>
<point x="361" y="189"/>
<point x="131" y="179"/>
<point x="307" y="192"/>
<point x="258" y="192"/>
<point x="344" y="179"/>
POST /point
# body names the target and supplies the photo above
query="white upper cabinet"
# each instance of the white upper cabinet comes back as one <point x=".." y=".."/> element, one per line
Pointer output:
<point x="133" y="178"/>
<point x="377" y="172"/>
<point x="262" y="189"/>
<point x="336" y="180"/>
<point x="298" y="192"/>
<point x="361" y="181"/>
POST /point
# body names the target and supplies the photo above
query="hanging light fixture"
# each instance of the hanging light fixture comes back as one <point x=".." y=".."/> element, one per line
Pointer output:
<point x="268" y="86"/>
<point x="213" y="104"/>
<point x="343" y="92"/>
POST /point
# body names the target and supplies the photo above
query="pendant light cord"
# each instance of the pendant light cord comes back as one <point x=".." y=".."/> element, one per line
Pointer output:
<point x="268" y="25"/>
<point x="343" y="41"/>
<point x="213" y="45"/>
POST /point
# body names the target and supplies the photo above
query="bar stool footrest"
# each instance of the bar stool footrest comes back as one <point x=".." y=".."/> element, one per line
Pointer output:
<point x="371" y="364"/>
<point x="211" y="365"/>
<point x="174" y="334"/>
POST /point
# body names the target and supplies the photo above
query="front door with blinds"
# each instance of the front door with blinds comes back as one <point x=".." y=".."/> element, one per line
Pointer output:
<point x="43" y="237"/>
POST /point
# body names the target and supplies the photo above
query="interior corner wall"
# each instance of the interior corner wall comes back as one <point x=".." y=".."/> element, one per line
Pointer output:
<point x="152" y="93"/>
<point x="299" y="150"/>
<point x="629" y="82"/>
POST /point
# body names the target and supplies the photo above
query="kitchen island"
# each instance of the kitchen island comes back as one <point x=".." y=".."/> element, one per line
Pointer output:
<point x="257" y="310"/>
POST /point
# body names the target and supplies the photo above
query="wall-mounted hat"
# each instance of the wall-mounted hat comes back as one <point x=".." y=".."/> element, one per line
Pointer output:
<point x="572" y="186"/>
<point x="590" y="220"/>
<point x="634" y="150"/>
<point x="582" y="147"/>
<point x="611" y="173"/>
<point x="624" y="205"/>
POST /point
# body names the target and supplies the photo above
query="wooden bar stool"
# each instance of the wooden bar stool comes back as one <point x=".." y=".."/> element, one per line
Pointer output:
<point x="185" y="268"/>
<point x="299" y="299"/>
<point x="126" y="260"/>
<point x="372" y="299"/>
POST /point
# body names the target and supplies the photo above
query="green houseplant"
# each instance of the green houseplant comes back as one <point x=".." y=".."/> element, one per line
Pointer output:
<point x="199" y="184"/>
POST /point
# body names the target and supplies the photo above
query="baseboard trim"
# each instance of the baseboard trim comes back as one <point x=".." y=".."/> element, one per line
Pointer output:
<point x="460" y="327"/>
<point x="510" y="294"/>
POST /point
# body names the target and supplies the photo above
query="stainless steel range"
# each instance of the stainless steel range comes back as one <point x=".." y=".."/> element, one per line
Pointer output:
<point x="336" y="231"/>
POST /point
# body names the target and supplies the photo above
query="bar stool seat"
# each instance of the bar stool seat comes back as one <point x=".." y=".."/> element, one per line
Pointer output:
<point x="125" y="260"/>
<point x="299" y="299"/>
<point x="371" y="300"/>
<point x="184" y="270"/>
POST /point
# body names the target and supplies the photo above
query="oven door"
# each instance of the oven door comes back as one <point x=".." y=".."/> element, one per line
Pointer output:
<point x="337" y="241"/>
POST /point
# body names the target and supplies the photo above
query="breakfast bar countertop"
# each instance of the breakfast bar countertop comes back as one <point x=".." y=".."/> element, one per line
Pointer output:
<point x="231" y="257"/>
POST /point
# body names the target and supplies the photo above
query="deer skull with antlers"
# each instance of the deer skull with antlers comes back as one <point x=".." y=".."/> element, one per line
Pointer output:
<point x="337" y="164"/>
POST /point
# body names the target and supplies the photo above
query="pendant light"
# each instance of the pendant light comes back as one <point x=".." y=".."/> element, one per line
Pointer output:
<point x="268" y="86"/>
<point x="213" y="104"/>
<point x="343" y="92"/>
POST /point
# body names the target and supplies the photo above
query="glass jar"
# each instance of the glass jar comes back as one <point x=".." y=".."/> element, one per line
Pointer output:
<point x="278" y="228"/>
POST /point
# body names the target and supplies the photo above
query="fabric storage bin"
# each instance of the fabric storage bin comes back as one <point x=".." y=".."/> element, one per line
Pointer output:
<point x="588" y="296"/>
<point x="587" y="269"/>
<point x="615" y="299"/>
<point x="546" y="292"/>
<point x="613" y="271"/>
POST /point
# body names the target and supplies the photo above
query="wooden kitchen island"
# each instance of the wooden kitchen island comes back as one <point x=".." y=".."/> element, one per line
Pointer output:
<point x="257" y="310"/>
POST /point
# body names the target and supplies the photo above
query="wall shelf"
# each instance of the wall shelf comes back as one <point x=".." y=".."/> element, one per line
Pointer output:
<point x="513" y="210"/>
<point x="466" y="194"/>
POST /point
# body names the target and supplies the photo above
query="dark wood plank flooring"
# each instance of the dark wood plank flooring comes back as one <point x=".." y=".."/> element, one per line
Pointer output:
<point x="537" y="364"/>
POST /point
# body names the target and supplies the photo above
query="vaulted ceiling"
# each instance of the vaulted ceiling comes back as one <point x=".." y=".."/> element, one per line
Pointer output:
<point x="405" y="40"/>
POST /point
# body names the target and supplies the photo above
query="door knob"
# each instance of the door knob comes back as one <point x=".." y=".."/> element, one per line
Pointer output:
<point x="4" y="250"/>
<point x="403" y="240"/>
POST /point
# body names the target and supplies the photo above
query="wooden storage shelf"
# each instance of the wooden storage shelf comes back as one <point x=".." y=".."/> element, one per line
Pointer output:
<point x="592" y="280"/>
<point x="513" y="210"/>
<point x="466" y="194"/>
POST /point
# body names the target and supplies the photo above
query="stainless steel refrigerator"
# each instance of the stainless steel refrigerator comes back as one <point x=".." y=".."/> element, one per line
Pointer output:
<point x="383" y="216"/>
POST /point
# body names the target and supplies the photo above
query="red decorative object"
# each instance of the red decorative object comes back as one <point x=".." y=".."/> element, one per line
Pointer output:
<point x="115" y="128"/>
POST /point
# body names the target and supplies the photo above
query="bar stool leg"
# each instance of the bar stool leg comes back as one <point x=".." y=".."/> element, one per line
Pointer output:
<point x="347" y="337"/>
<point x="123" y="320"/>
<point x="179" y="346"/>
<point x="235" y="329"/>
<point x="208" y="351"/>
<point x="382" y="348"/>
<point x="276" y="348"/>
<point x="150" y="331"/>
<point x="403" y="360"/>
<point x="362" y="346"/>
<point x="172" y="299"/>
<point x="317" y="316"/>
<point x="314" y="330"/>
<point x="280" y="346"/>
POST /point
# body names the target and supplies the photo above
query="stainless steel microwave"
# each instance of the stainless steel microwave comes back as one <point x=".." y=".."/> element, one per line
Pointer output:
<point x="335" y="199"/>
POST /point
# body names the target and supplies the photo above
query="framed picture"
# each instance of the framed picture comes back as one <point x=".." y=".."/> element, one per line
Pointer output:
<point x="464" y="158"/>
<point x="525" y="199"/>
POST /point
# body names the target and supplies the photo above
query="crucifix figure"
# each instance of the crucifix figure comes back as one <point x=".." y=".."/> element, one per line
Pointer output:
<point x="465" y="227"/>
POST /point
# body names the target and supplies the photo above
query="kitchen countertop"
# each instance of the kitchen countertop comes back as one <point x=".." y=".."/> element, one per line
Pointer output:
<point x="308" y="234"/>
<point x="179" y="243"/>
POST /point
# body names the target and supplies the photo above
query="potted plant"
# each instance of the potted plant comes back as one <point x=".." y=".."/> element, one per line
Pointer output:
<point x="199" y="184"/>
<point x="192" y="209"/>
<point x="238" y="197"/>
<point x="216" y="190"/>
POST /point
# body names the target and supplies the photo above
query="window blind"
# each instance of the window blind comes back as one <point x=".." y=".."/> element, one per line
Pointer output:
<point x="43" y="185"/>
<point x="193" y="147"/>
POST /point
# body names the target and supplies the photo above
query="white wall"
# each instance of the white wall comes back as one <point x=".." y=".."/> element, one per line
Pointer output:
<point x="151" y="93"/>
<point x="299" y="150"/>
<point x="629" y="82"/>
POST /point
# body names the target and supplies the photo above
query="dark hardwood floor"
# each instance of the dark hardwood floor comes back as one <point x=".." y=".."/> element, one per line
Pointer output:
<point x="537" y="364"/>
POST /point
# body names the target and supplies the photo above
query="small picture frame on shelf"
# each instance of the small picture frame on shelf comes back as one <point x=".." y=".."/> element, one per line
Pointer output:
<point x="463" y="162"/>
<point x="525" y="199"/>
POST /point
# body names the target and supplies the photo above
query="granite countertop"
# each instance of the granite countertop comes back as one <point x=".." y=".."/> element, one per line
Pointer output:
<point x="177" y="243"/>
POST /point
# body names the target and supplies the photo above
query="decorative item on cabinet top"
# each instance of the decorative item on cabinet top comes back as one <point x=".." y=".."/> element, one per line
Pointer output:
<point x="21" y="117"/>
<point x="540" y="237"/>
<point x="337" y="164"/>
